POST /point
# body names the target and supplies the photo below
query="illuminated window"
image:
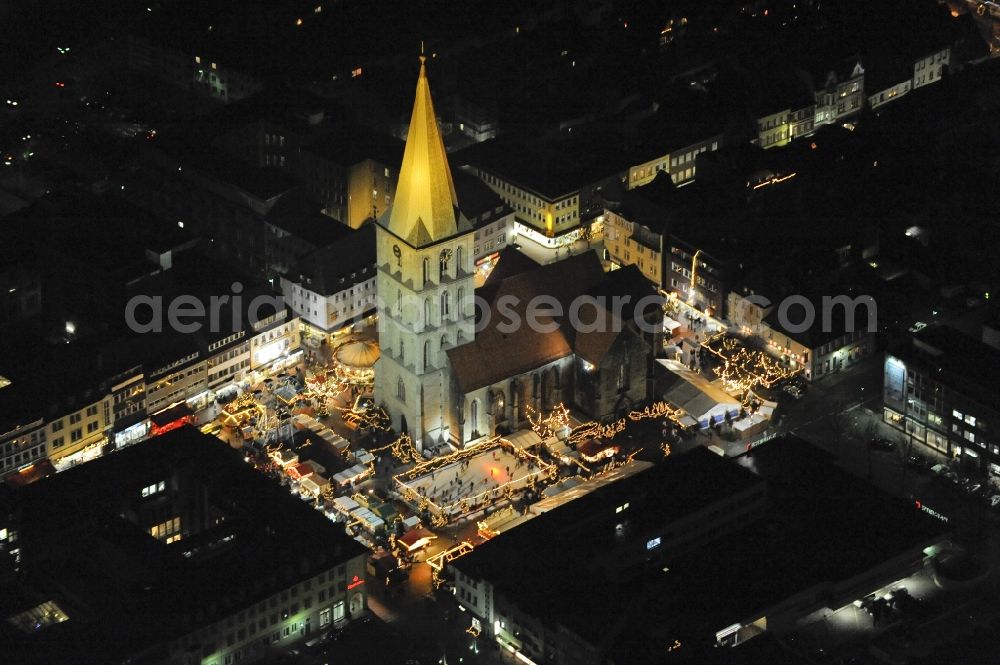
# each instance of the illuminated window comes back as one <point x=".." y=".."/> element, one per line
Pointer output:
<point x="39" y="617"/>
<point x="155" y="488"/>
<point x="197" y="59"/>
<point x="165" y="530"/>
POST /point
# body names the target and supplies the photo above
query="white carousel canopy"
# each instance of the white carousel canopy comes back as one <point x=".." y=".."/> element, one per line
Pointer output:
<point x="360" y="354"/>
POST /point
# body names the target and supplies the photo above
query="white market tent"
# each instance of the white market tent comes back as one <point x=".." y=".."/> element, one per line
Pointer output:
<point x="345" y="477"/>
<point x="524" y="439"/>
<point x="369" y="520"/>
<point x="345" y="504"/>
<point x="703" y="401"/>
<point x="314" y="484"/>
<point x="338" y="442"/>
<point x="363" y="456"/>
<point x="669" y="325"/>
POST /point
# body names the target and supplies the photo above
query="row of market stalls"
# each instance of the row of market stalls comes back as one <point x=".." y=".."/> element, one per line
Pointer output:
<point x="302" y="421"/>
<point x="368" y="512"/>
<point x="309" y="475"/>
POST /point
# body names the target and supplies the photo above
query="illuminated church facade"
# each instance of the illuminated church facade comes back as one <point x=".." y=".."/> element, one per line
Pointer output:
<point x="441" y="380"/>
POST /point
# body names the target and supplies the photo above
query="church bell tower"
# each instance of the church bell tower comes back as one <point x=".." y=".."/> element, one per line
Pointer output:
<point x="424" y="283"/>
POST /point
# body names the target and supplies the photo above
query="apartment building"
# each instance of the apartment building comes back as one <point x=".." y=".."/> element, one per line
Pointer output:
<point x="161" y="513"/>
<point x="939" y="390"/>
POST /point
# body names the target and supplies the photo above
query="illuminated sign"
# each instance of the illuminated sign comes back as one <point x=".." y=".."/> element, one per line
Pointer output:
<point x="764" y="439"/>
<point x="653" y="544"/>
<point x="929" y="511"/>
<point x="355" y="583"/>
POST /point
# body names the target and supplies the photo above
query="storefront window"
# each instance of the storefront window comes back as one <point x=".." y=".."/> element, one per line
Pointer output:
<point x="893" y="418"/>
<point x="935" y="440"/>
<point x="915" y="430"/>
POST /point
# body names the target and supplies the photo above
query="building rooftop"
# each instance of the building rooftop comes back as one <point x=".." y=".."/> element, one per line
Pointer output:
<point x="965" y="363"/>
<point x="551" y="169"/>
<point x="347" y="261"/>
<point x="476" y="200"/>
<point x="649" y="205"/>
<point x="822" y="331"/>
<point x="495" y="354"/>
<point x="821" y="525"/>
<point x="298" y="214"/>
<point x="350" y="144"/>
<point x="86" y="546"/>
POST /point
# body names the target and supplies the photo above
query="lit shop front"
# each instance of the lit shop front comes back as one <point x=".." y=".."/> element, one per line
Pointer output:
<point x="171" y="418"/>
<point x="560" y="240"/>
<point x="132" y="434"/>
<point x="276" y="365"/>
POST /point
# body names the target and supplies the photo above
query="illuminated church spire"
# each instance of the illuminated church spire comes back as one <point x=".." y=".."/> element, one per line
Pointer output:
<point x="425" y="206"/>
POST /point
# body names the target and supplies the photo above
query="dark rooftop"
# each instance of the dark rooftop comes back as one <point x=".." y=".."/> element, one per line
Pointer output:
<point x="965" y="363"/>
<point x="265" y="541"/>
<point x="822" y="331"/>
<point x="476" y="199"/>
<point x="821" y="525"/>
<point x="555" y="167"/>
<point x="659" y="495"/>
<point x="350" y="144"/>
<point x="298" y="214"/>
<point x="347" y="261"/>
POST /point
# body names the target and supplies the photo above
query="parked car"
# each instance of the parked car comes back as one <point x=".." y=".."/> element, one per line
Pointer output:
<point x="878" y="443"/>
<point x="953" y="477"/>
<point x="793" y="391"/>
<point x="939" y="469"/>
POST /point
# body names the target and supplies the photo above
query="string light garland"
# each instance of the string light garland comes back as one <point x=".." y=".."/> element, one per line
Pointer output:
<point x="743" y="369"/>
<point x="482" y="499"/>
<point x="547" y="426"/>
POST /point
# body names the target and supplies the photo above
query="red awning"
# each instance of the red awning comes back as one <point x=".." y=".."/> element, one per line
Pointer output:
<point x="30" y="474"/>
<point x="300" y="471"/>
